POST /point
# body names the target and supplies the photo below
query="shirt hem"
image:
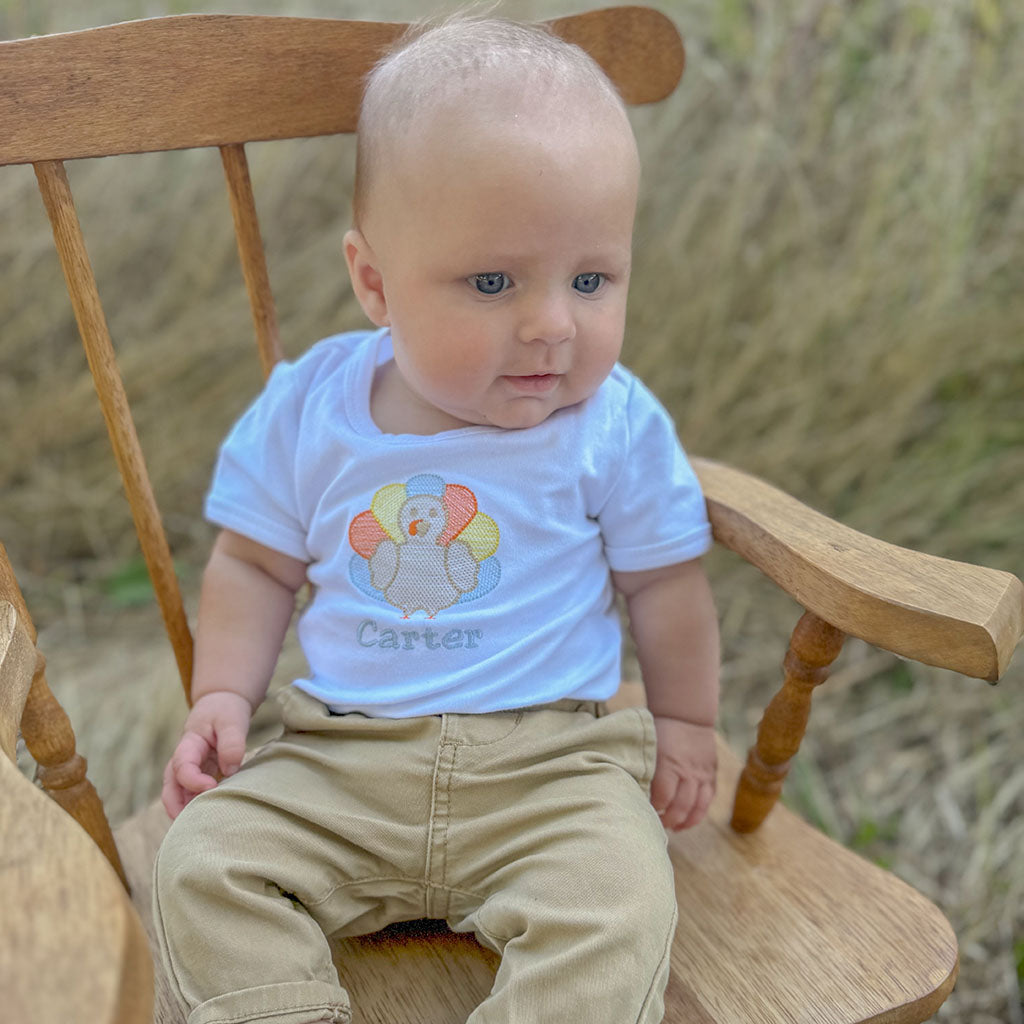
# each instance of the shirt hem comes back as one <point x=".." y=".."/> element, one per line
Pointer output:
<point x="261" y="531"/>
<point x="424" y="709"/>
<point x="658" y="556"/>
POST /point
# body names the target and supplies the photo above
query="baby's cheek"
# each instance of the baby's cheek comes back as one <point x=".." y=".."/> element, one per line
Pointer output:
<point x="449" y="369"/>
<point x="593" y="375"/>
<point x="470" y="369"/>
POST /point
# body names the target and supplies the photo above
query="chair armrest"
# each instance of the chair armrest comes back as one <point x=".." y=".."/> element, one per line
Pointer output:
<point x="17" y="667"/>
<point x="950" y="614"/>
<point x="72" y="947"/>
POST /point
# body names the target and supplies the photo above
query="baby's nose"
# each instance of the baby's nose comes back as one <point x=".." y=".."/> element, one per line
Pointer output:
<point x="549" y="320"/>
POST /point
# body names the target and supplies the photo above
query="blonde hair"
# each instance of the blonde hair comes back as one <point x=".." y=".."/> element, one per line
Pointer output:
<point x="433" y="63"/>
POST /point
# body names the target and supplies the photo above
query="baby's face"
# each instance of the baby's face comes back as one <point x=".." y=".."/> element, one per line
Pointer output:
<point x="504" y="253"/>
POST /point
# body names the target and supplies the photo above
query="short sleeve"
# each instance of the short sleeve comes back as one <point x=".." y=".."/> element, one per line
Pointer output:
<point x="253" y="490"/>
<point x="655" y="514"/>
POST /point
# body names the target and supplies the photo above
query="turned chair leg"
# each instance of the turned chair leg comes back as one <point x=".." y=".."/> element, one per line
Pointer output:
<point x="50" y="739"/>
<point x="812" y="649"/>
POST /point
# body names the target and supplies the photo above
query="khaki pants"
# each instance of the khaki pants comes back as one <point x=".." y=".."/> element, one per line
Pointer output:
<point x="532" y="829"/>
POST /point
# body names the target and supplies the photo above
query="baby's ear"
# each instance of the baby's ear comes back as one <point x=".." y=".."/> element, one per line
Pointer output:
<point x="367" y="282"/>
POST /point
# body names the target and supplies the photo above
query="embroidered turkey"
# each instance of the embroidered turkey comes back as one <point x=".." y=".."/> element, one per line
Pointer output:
<point x="423" y="546"/>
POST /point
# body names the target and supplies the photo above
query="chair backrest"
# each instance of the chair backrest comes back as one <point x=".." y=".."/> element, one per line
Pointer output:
<point x="224" y="80"/>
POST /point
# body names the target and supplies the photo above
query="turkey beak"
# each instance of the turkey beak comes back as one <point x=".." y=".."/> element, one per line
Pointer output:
<point x="414" y="527"/>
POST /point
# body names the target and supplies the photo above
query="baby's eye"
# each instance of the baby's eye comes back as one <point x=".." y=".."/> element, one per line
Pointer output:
<point x="587" y="283"/>
<point x="490" y="284"/>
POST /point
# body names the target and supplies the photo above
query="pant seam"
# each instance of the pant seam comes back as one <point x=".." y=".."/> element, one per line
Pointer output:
<point x="158" y="921"/>
<point x="456" y="890"/>
<point x="356" y="881"/>
<point x="437" y="826"/>
<point x="491" y="937"/>
<point x="666" y="955"/>
<point x="448" y="818"/>
<point x="345" y="1012"/>
<point x="428" y="860"/>
<point x="644" y="728"/>
<point x="516" y="721"/>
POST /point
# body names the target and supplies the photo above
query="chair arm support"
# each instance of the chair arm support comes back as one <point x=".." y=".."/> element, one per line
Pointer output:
<point x="17" y="667"/>
<point x="950" y="614"/>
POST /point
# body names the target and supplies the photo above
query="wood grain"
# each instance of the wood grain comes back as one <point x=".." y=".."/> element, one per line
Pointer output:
<point x="251" y="255"/>
<point x="27" y="706"/>
<point x="784" y="925"/>
<point x="17" y="665"/>
<point x="812" y="649"/>
<point x="81" y="953"/>
<point x="639" y="48"/>
<point x="933" y="610"/>
<point x="17" y="655"/>
<point x="215" y="80"/>
<point x="99" y="350"/>
<point x="50" y="740"/>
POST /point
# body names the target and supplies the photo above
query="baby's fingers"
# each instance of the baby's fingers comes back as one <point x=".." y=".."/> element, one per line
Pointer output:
<point x="701" y="803"/>
<point x="171" y="795"/>
<point x="187" y="763"/>
<point x="678" y="811"/>
<point x="672" y="795"/>
<point x="663" y="788"/>
<point x="174" y="795"/>
<point x="230" y="748"/>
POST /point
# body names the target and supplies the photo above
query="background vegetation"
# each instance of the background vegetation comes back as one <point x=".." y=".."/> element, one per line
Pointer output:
<point x="828" y="291"/>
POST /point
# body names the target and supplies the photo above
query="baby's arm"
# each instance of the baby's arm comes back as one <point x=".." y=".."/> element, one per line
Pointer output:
<point x="245" y="605"/>
<point x="673" y="622"/>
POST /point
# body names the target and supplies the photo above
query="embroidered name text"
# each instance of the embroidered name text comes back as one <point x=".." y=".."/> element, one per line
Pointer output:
<point x="368" y="634"/>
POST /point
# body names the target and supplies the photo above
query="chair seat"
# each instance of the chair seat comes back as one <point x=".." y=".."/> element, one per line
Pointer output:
<point x="786" y="925"/>
<point x="782" y="925"/>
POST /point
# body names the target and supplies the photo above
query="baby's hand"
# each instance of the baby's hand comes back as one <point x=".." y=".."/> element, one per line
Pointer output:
<point x="211" y="747"/>
<point x="684" y="776"/>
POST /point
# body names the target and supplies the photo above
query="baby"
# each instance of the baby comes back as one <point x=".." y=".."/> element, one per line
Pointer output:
<point x="465" y="487"/>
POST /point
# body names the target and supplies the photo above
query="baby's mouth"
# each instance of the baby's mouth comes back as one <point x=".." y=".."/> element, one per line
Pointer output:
<point x="533" y="383"/>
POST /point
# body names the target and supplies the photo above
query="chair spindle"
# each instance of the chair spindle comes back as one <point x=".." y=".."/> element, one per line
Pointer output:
<point x="813" y="647"/>
<point x="252" y="255"/>
<point x="99" y="350"/>
<point x="47" y="732"/>
<point x="50" y="739"/>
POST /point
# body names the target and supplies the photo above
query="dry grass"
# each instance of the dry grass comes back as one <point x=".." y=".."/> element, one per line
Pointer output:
<point x="828" y="291"/>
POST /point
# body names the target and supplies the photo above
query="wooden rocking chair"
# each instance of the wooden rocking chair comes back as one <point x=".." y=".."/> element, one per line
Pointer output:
<point x="779" y="923"/>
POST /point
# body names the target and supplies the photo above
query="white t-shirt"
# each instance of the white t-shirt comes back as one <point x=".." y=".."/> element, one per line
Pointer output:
<point x="466" y="571"/>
